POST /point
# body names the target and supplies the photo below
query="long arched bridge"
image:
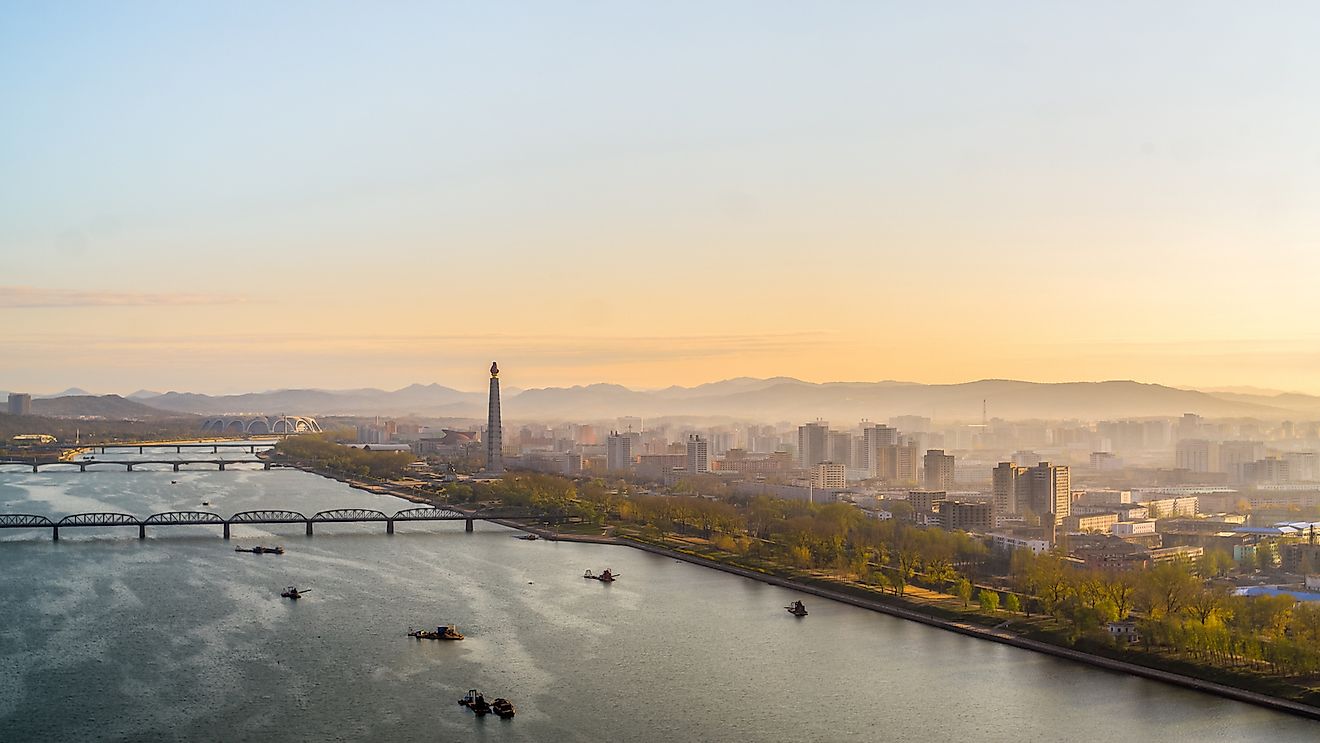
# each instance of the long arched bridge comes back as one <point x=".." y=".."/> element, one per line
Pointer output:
<point x="265" y="516"/>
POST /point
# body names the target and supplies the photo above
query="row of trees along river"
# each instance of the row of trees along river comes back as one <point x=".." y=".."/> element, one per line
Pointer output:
<point x="1187" y="617"/>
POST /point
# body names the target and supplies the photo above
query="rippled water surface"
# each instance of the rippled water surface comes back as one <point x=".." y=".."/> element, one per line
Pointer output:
<point x="176" y="637"/>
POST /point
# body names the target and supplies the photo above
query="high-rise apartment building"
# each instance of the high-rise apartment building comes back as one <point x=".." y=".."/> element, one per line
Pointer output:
<point x="874" y="437"/>
<point x="813" y="444"/>
<point x="938" y="469"/>
<point x="698" y="454"/>
<point x="1048" y="494"/>
<point x="907" y="463"/>
<point x="1196" y="455"/>
<point x="1234" y="455"/>
<point x="1303" y="466"/>
<point x="1004" y="489"/>
<point x="618" y="452"/>
<point x="884" y="463"/>
<point x="20" y="403"/>
<point x="840" y="448"/>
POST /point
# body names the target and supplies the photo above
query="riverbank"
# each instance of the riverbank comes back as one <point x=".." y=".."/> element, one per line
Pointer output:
<point x="992" y="634"/>
<point x="902" y="609"/>
<point x="395" y="491"/>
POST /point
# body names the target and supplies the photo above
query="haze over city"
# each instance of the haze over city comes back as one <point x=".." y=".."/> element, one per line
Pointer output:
<point x="243" y="197"/>
<point x="617" y="371"/>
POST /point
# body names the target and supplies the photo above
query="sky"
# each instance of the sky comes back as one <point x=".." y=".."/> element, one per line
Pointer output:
<point x="239" y="196"/>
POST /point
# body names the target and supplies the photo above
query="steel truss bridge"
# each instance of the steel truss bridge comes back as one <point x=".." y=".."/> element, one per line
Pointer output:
<point x="265" y="516"/>
<point x="82" y="465"/>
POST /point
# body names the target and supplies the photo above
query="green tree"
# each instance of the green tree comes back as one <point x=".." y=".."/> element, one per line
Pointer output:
<point x="989" y="600"/>
<point x="1012" y="604"/>
<point x="1165" y="589"/>
<point x="965" y="591"/>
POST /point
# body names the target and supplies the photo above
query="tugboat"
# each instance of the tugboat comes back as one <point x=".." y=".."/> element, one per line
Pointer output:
<point x="443" y="632"/>
<point x="606" y="576"/>
<point x="475" y="701"/>
<point x="503" y="708"/>
<point x="529" y="537"/>
<point x="259" y="550"/>
<point x="797" y="609"/>
<point x="292" y="592"/>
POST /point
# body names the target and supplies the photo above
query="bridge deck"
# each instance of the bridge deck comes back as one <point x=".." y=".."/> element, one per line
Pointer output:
<point x="267" y="516"/>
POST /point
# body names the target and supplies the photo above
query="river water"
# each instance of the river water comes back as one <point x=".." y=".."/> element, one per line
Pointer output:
<point x="176" y="637"/>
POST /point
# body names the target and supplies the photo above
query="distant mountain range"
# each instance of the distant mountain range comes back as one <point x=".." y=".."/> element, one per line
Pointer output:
<point x="112" y="407"/>
<point x="770" y="400"/>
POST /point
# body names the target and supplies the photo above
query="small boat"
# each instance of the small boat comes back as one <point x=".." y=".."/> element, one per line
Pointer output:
<point x="797" y="609"/>
<point x="606" y="576"/>
<point x="503" y="708"/>
<point x="443" y="632"/>
<point x="259" y="550"/>
<point x="529" y="537"/>
<point x="206" y="503"/>
<point x="292" y="592"/>
<point x="475" y="701"/>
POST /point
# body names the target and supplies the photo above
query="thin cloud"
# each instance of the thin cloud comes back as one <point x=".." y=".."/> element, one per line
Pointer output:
<point x="31" y="296"/>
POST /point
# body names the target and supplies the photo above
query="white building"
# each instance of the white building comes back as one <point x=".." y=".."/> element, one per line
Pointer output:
<point x="1010" y="542"/>
<point x="698" y="454"/>
<point x="618" y="452"/>
<point x="1134" y="528"/>
<point x="830" y="475"/>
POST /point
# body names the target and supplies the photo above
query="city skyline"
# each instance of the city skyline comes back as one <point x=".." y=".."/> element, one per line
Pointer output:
<point x="855" y="192"/>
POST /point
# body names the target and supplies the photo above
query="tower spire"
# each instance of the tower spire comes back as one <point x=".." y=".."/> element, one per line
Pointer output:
<point x="494" y="427"/>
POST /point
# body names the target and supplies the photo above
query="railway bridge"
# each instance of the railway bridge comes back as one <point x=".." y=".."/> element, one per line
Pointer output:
<point x="262" y="516"/>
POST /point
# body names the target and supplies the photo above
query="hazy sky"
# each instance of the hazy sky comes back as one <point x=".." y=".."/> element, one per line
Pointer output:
<point x="247" y="195"/>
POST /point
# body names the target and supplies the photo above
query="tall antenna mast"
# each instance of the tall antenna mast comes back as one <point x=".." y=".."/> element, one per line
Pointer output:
<point x="984" y="418"/>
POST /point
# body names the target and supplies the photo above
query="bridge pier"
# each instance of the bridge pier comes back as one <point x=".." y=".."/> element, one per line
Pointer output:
<point x="129" y="466"/>
<point x="55" y="533"/>
<point x="142" y="450"/>
<point x="142" y="531"/>
<point x="222" y="466"/>
<point x="389" y="526"/>
<point x="34" y="468"/>
<point x="468" y="527"/>
<point x="178" y="450"/>
<point x="176" y="468"/>
<point x="266" y="466"/>
<point x="82" y="468"/>
<point x="215" y="450"/>
<point x="309" y="527"/>
<point x="226" y="530"/>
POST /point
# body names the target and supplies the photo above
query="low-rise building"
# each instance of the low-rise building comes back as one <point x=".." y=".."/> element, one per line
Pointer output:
<point x="1012" y="542"/>
<point x="973" y="516"/>
<point x="1133" y="528"/>
<point x="1096" y="523"/>
<point x="1124" y="632"/>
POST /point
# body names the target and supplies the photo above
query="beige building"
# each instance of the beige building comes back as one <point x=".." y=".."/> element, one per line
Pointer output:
<point x="1091" y="523"/>
<point x="938" y="470"/>
<point x="830" y="475"/>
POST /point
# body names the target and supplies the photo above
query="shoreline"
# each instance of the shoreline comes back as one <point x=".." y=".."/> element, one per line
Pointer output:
<point x="968" y="630"/>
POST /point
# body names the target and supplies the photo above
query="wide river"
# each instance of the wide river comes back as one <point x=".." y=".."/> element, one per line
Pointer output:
<point x="177" y="637"/>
